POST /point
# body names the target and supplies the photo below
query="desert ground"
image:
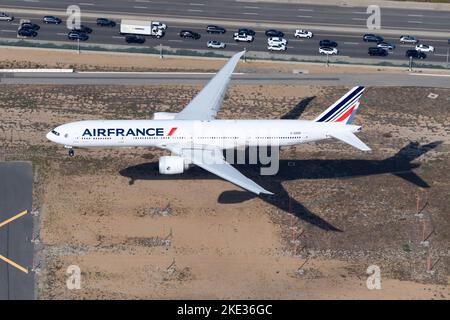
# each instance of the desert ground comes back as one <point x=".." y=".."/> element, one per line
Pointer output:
<point x="136" y="234"/>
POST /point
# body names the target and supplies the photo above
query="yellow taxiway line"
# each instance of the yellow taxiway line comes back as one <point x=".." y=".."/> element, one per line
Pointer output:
<point x="17" y="216"/>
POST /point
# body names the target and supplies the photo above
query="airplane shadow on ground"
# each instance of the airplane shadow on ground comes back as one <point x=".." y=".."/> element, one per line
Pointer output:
<point x="399" y="165"/>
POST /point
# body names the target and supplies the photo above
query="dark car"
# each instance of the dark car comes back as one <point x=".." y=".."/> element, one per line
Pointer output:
<point x="274" y="33"/>
<point x="189" y="34"/>
<point x="215" y="29"/>
<point x="103" y="22"/>
<point x="415" y="54"/>
<point x="51" y="20"/>
<point x="27" y="33"/>
<point x="73" y="35"/>
<point x="29" y="25"/>
<point x="134" y="39"/>
<point x="83" y="29"/>
<point x="246" y="31"/>
<point x="369" y="37"/>
<point x="375" y="51"/>
<point x="328" y="43"/>
<point x="448" y="41"/>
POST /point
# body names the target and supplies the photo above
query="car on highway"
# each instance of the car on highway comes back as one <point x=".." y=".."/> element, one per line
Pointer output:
<point x="82" y="29"/>
<point x="424" y="48"/>
<point x="104" y="22"/>
<point x="215" y="44"/>
<point x="74" y="35"/>
<point x="274" y="33"/>
<point x="133" y="38"/>
<point x="6" y="17"/>
<point x="51" y="20"/>
<point x="412" y="53"/>
<point x="276" y="40"/>
<point x="448" y="41"/>
<point x="159" y="25"/>
<point x="242" y="37"/>
<point x="300" y="33"/>
<point x="386" y="45"/>
<point x="215" y="29"/>
<point x="188" y="34"/>
<point x="250" y="32"/>
<point x="375" y="51"/>
<point x="370" y="37"/>
<point x="27" y="33"/>
<point x="328" y="50"/>
<point x="409" y="39"/>
<point x="276" y="47"/>
<point x="328" y="43"/>
<point x="30" y="25"/>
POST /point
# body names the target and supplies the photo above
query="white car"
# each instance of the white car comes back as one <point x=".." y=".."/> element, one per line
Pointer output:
<point x="216" y="44"/>
<point x="277" y="47"/>
<point x="276" y="40"/>
<point x="424" y="48"/>
<point x="159" y="25"/>
<point x="408" y="39"/>
<point x="328" y="50"/>
<point x="6" y="17"/>
<point x="303" y="34"/>
<point x="242" y="37"/>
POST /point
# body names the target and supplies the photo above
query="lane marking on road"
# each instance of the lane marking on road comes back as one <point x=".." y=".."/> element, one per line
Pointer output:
<point x="306" y="10"/>
<point x="304" y="16"/>
<point x="251" y="13"/>
<point x="415" y="15"/>
<point x="9" y="30"/>
<point x="140" y="7"/>
<point x="250" y="7"/>
<point x="17" y="216"/>
<point x="195" y="10"/>
<point x="117" y="37"/>
<point x="414" y="21"/>
<point x="196" y="4"/>
<point x="86" y="4"/>
<point x="359" y="19"/>
<point x="354" y="43"/>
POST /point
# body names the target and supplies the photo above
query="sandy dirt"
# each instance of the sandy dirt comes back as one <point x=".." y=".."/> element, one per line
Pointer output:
<point x="44" y="58"/>
<point x="137" y="234"/>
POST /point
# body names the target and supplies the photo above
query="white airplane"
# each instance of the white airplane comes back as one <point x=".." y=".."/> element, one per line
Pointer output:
<point x="194" y="137"/>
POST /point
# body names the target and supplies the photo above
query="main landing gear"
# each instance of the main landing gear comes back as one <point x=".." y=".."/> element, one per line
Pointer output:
<point x="71" y="152"/>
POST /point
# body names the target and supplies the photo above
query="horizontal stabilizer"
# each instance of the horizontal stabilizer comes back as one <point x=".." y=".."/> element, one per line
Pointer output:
<point x="351" y="139"/>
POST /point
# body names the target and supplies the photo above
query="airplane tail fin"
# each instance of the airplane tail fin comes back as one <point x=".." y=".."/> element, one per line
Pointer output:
<point x="351" y="139"/>
<point x="344" y="109"/>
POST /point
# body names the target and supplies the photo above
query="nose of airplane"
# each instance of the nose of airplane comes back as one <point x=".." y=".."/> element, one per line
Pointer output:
<point x="49" y="136"/>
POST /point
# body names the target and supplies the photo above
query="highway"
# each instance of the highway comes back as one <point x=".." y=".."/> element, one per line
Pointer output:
<point x="159" y="78"/>
<point x="230" y="10"/>
<point x="327" y="21"/>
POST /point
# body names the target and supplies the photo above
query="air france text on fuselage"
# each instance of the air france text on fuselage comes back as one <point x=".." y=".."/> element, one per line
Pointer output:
<point x="120" y="132"/>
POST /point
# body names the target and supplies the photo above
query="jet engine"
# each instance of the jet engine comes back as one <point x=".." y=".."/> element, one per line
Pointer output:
<point x="172" y="165"/>
<point x="164" y="115"/>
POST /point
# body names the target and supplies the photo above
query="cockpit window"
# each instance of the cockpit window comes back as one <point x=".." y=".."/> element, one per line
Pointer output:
<point x="56" y="133"/>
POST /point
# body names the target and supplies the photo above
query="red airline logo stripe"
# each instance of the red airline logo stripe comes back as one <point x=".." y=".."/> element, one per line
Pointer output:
<point x="172" y="131"/>
<point x="346" y="114"/>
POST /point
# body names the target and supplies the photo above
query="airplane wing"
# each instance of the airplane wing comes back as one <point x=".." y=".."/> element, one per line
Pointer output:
<point x="207" y="102"/>
<point x="211" y="159"/>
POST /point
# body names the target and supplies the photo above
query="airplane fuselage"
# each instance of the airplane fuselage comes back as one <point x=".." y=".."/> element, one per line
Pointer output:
<point x="220" y="133"/>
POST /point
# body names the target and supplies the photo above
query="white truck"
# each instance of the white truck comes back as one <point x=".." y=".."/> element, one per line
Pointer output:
<point x="140" y="27"/>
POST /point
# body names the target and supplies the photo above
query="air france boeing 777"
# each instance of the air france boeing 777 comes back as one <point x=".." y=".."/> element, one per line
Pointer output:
<point x="194" y="137"/>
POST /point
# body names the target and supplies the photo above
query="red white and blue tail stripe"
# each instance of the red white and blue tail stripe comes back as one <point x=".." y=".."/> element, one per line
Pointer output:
<point x="344" y="109"/>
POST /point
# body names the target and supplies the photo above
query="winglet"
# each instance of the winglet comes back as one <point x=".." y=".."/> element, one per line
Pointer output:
<point x="351" y="139"/>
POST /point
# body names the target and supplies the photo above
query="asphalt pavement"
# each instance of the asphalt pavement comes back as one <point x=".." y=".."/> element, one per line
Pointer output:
<point x="16" y="180"/>
<point x="350" y="42"/>
<point x="331" y="79"/>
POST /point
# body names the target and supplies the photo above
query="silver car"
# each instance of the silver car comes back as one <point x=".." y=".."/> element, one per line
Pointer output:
<point x="408" y="39"/>
<point x="6" y="17"/>
<point x="216" y="44"/>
